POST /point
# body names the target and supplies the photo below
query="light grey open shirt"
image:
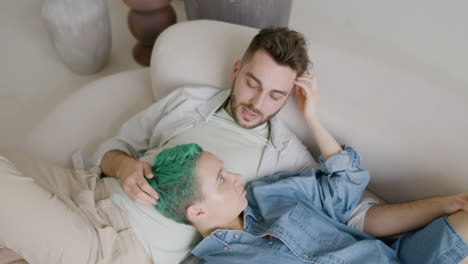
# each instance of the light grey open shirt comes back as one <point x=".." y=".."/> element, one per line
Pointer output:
<point x="192" y="106"/>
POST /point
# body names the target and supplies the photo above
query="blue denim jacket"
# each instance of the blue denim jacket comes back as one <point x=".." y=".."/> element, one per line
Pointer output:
<point x="301" y="218"/>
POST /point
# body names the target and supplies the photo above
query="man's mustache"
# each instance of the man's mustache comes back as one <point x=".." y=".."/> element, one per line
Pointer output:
<point x="252" y="109"/>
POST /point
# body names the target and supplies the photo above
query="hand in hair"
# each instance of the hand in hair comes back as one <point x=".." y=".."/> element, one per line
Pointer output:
<point x="134" y="183"/>
<point x="307" y="95"/>
<point x="131" y="174"/>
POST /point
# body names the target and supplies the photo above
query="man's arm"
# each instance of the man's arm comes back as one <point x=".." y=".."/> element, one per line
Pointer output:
<point x="307" y="97"/>
<point x="117" y="156"/>
<point x="393" y="219"/>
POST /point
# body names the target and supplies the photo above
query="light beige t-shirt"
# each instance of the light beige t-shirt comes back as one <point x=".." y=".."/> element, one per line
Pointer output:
<point x="240" y="150"/>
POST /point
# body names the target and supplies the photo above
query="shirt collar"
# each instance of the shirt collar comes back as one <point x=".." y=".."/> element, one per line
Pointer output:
<point x="212" y="244"/>
<point x="207" y="109"/>
<point x="280" y="134"/>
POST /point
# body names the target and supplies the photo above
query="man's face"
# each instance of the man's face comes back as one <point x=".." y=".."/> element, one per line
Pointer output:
<point x="260" y="88"/>
<point x="222" y="191"/>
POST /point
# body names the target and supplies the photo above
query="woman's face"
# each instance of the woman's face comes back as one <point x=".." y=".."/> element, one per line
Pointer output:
<point x="222" y="191"/>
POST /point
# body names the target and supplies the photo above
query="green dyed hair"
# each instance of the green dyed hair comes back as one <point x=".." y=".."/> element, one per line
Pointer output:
<point x="175" y="180"/>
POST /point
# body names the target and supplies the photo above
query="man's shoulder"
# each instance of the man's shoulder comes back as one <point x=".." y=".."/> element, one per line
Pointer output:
<point x="189" y="96"/>
<point x="197" y="91"/>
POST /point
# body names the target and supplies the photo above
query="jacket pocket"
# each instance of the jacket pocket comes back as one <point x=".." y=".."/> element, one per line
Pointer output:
<point x="313" y="230"/>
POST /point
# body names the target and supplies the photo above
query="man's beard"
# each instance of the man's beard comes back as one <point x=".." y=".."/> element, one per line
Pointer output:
<point x="234" y="106"/>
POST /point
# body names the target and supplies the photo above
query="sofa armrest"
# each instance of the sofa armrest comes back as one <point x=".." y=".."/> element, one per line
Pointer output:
<point x="89" y="116"/>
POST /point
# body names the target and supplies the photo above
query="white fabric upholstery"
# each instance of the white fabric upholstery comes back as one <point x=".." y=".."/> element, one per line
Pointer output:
<point x="406" y="128"/>
<point x="89" y="116"/>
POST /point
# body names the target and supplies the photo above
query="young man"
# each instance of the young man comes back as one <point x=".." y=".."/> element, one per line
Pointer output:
<point x="237" y="125"/>
<point x="301" y="217"/>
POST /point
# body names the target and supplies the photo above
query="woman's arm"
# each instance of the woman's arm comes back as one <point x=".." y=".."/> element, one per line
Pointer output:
<point x="393" y="219"/>
<point x="307" y="97"/>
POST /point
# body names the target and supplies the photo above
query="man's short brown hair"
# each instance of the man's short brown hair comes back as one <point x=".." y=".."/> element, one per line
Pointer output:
<point x="285" y="46"/>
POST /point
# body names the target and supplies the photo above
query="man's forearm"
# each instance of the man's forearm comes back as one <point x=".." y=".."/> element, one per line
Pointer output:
<point x="393" y="219"/>
<point x="326" y="142"/>
<point x="112" y="161"/>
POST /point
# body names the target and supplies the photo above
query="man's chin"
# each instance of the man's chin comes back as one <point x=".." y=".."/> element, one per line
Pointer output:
<point x="248" y="125"/>
<point x="241" y="121"/>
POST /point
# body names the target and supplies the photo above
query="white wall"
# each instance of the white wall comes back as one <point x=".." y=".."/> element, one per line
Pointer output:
<point x="429" y="37"/>
<point x="393" y="81"/>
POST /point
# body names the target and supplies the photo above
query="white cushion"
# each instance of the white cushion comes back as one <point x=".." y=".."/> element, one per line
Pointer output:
<point x="197" y="52"/>
<point x="89" y="116"/>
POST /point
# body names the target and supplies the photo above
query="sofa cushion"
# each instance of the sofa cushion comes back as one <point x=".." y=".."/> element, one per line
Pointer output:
<point x="89" y="116"/>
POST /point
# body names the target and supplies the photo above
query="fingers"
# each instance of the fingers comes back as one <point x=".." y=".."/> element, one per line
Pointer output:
<point x="136" y="193"/>
<point x="142" y="197"/>
<point x="307" y="84"/>
<point x="144" y="190"/>
<point x="146" y="187"/>
<point x="147" y="170"/>
<point x="137" y="187"/>
<point x="464" y="198"/>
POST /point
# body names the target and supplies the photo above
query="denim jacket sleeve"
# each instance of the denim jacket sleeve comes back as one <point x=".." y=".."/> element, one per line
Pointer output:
<point x="338" y="186"/>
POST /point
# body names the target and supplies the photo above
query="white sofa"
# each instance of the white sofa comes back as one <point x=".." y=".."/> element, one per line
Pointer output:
<point x="408" y="130"/>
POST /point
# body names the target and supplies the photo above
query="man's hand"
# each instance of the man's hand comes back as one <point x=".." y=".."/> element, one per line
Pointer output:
<point x="307" y="95"/>
<point x="131" y="174"/>
<point x="132" y="178"/>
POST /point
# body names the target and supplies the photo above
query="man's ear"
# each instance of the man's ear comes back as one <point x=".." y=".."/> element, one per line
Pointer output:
<point x="195" y="212"/>
<point x="235" y="69"/>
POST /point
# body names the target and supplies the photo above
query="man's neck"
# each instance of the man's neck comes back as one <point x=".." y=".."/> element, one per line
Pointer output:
<point x="236" y="224"/>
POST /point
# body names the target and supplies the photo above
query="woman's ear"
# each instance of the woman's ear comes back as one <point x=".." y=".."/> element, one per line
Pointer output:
<point x="235" y="69"/>
<point x="195" y="212"/>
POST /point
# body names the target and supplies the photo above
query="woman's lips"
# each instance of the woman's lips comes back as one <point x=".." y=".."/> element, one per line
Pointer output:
<point x="247" y="114"/>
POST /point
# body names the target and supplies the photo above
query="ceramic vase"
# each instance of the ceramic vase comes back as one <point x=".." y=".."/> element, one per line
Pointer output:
<point x="80" y="33"/>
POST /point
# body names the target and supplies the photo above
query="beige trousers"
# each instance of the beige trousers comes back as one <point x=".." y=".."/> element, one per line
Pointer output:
<point x="55" y="215"/>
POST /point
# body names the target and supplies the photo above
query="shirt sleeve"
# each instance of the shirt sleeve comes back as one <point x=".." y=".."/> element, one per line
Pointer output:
<point x="134" y="135"/>
<point x="337" y="188"/>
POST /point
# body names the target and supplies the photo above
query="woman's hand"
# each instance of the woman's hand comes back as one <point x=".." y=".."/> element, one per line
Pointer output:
<point x="455" y="203"/>
<point x="307" y="95"/>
